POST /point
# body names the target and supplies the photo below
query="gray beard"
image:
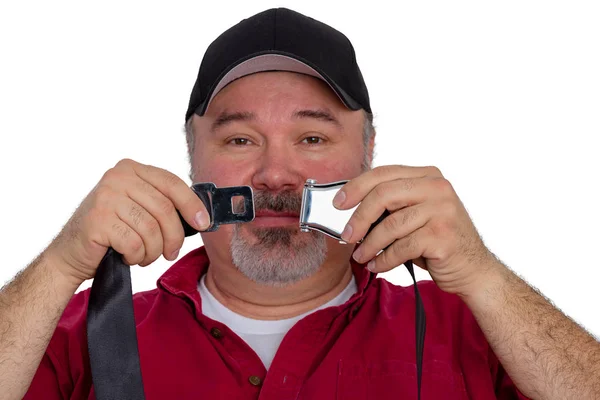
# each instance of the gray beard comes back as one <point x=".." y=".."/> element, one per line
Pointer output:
<point x="277" y="256"/>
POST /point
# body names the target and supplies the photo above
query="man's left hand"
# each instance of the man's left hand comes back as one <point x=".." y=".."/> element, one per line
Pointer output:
<point x="427" y="224"/>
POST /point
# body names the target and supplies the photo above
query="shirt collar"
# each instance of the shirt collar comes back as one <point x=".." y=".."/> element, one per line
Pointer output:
<point x="182" y="278"/>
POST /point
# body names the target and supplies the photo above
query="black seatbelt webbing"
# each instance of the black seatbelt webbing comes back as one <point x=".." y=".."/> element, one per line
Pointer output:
<point x="420" y="323"/>
<point x="111" y="333"/>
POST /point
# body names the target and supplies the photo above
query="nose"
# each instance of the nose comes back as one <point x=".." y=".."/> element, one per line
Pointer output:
<point x="277" y="170"/>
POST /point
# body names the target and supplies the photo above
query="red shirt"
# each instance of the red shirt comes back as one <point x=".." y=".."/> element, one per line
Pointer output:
<point x="363" y="349"/>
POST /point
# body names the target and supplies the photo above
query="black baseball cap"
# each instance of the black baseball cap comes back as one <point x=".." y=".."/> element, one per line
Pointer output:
<point x="280" y="39"/>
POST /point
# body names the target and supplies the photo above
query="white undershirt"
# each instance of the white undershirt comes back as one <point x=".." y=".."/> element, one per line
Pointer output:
<point x="264" y="337"/>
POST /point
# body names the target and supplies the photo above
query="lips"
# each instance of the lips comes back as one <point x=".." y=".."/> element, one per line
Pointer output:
<point x="268" y="218"/>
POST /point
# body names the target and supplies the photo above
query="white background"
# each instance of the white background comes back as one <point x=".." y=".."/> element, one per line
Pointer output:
<point x="504" y="97"/>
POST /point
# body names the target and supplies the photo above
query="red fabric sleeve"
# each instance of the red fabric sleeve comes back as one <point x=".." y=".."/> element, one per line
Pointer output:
<point x="45" y="384"/>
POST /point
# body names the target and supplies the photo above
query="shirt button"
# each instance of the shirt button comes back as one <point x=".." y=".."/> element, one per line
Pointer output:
<point x="255" y="380"/>
<point x="216" y="333"/>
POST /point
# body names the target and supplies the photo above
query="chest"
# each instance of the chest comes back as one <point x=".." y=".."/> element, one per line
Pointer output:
<point x="354" y="361"/>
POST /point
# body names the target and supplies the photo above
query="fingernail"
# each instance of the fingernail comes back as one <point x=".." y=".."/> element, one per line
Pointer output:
<point x="174" y="255"/>
<point x="347" y="233"/>
<point x="339" y="198"/>
<point x="371" y="266"/>
<point x="201" y="220"/>
<point x="357" y="254"/>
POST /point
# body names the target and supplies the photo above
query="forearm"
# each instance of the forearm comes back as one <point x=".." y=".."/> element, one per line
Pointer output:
<point x="30" y="307"/>
<point x="546" y="354"/>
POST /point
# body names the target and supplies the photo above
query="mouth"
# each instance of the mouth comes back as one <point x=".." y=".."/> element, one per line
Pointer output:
<point x="272" y="219"/>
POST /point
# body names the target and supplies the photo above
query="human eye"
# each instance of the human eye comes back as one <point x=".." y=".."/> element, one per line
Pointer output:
<point x="313" y="140"/>
<point x="239" y="141"/>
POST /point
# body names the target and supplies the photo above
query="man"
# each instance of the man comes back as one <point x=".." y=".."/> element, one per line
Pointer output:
<point x="264" y="310"/>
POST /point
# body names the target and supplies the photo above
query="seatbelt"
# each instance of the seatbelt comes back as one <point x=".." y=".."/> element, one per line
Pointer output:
<point x="112" y="340"/>
<point x="420" y="324"/>
<point x="420" y="321"/>
<point x="111" y="332"/>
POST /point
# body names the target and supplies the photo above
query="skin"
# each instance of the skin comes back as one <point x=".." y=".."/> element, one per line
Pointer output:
<point x="277" y="154"/>
<point x="133" y="210"/>
<point x="547" y="355"/>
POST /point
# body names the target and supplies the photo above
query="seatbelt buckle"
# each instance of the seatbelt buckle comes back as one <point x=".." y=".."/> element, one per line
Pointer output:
<point x="222" y="206"/>
<point x="318" y="213"/>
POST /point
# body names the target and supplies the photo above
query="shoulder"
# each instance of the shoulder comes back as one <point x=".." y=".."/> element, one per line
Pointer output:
<point x="446" y="314"/>
<point x="431" y="295"/>
<point x="70" y="332"/>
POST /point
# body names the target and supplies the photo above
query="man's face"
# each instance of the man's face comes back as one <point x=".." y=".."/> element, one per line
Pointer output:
<point x="272" y="131"/>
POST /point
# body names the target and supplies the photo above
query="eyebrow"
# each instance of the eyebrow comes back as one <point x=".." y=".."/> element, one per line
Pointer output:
<point x="226" y="118"/>
<point x="318" y="114"/>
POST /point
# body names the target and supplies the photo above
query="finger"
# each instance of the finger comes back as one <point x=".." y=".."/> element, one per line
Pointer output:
<point x="144" y="224"/>
<point x="408" y="248"/>
<point x="395" y="226"/>
<point x="124" y="240"/>
<point x="356" y="189"/>
<point x="163" y="210"/>
<point x="391" y="196"/>
<point x="175" y="189"/>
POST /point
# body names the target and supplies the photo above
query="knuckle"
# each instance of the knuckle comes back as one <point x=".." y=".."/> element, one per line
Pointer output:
<point x="443" y="185"/>
<point x="408" y="215"/>
<point x="391" y="223"/>
<point x="399" y="246"/>
<point x="358" y="215"/>
<point x="411" y="243"/>
<point x="135" y="247"/>
<point x="407" y="184"/>
<point x="152" y="226"/>
<point x="108" y="175"/>
<point x="125" y="162"/>
<point x="134" y="243"/>
<point x="170" y="179"/>
<point x="103" y="195"/>
<point x="122" y="232"/>
<point x="136" y="213"/>
<point x="381" y="190"/>
<point x="166" y="207"/>
<point x="357" y="218"/>
<point x="406" y="246"/>
<point x="112" y="175"/>
<point x="433" y="171"/>
<point x="383" y="170"/>
<point x="389" y="255"/>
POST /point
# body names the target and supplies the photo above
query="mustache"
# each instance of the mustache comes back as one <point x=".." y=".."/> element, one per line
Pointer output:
<point x="287" y="201"/>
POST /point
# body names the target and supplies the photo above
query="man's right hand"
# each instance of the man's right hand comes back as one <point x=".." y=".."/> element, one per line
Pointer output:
<point x="133" y="209"/>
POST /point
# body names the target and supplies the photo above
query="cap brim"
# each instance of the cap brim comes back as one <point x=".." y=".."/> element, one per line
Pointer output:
<point x="273" y="62"/>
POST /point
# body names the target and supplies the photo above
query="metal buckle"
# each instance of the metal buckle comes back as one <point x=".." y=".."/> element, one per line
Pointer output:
<point x="319" y="214"/>
<point x="218" y="203"/>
